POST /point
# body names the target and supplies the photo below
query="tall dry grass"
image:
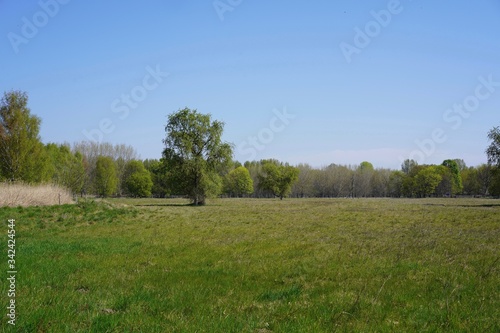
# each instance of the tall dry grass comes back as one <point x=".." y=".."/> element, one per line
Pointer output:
<point x="15" y="194"/>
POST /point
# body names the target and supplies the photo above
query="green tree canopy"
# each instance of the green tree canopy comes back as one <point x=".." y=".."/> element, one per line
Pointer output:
<point x="426" y="181"/>
<point x="159" y="175"/>
<point x="494" y="188"/>
<point x="396" y="179"/>
<point x="493" y="153"/>
<point x="195" y="154"/>
<point x="278" y="178"/>
<point x="137" y="180"/>
<point x="366" y="167"/>
<point x="238" y="182"/>
<point x="456" y="181"/>
<point x="22" y="155"/>
<point x="105" y="180"/>
<point x="66" y="169"/>
<point x="408" y="165"/>
<point x="493" y="150"/>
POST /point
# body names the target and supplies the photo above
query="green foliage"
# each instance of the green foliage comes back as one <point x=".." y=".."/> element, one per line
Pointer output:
<point x="362" y="185"/>
<point x="396" y="180"/>
<point x="409" y="185"/>
<point x="66" y="168"/>
<point x="493" y="153"/>
<point x="426" y="181"/>
<point x="304" y="186"/>
<point x="494" y="188"/>
<point x="238" y="182"/>
<point x="460" y="164"/>
<point x="366" y="167"/>
<point x="476" y="180"/>
<point x="445" y="186"/>
<point x="159" y="174"/>
<point x="456" y="183"/>
<point x="408" y="165"/>
<point x="121" y="154"/>
<point x="139" y="185"/>
<point x="470" y="181"/>
<point x="137" y="180"/>
<point x="493" y="150"/>
<point x="278" y="178"/>
<point x="105" y="180"/>
<point x="22" y="155"/>
<point x="195" y="155"/>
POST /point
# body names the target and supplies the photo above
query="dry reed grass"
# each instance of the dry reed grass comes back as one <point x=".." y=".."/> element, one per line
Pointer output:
<point x="15" y="194"/>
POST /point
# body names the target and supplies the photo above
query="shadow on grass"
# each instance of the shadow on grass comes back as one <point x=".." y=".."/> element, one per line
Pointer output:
<point x="167" y="205"/>
<point x="466" y="206"/>
<point x="483" y="205"/>
<point x="177" y="205"/>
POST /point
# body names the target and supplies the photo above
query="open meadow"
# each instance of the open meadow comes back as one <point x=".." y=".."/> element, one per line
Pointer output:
<point x="248" y="265"/>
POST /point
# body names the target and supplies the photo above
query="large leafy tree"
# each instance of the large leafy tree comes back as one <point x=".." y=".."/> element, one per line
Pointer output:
<point x="427" y="180"/>
<point x="278" y="178"/>
<point x="493" y="153"/>
<point x="105" y="180"/>
<point x="456" y="178"/>
<point x="22" y="155"/>
<point x="493" y="150"/>
<point x="195" y="154"/>
<point x="361" y="185"/>
<point x="238" y="182"/>
<point x="137" y="180"/>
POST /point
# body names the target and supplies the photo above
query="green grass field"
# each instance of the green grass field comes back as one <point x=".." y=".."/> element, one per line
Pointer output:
<point x="237" y="265"/>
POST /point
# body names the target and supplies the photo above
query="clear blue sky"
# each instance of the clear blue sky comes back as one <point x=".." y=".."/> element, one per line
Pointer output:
<point x="353" y="96"/>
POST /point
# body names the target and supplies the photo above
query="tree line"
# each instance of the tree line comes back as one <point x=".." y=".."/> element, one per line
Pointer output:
<point x="196" y="163"/>
<point x="451" y="178"/>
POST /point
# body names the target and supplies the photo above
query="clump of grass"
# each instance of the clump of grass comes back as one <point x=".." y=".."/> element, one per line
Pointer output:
<point x="16" y="194"/>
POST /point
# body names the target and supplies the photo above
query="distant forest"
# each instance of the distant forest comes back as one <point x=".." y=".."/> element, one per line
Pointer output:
<point x="104" y="169"/>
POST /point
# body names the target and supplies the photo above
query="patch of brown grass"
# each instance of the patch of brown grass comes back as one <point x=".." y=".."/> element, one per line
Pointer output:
<point x="13" y="195"/>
